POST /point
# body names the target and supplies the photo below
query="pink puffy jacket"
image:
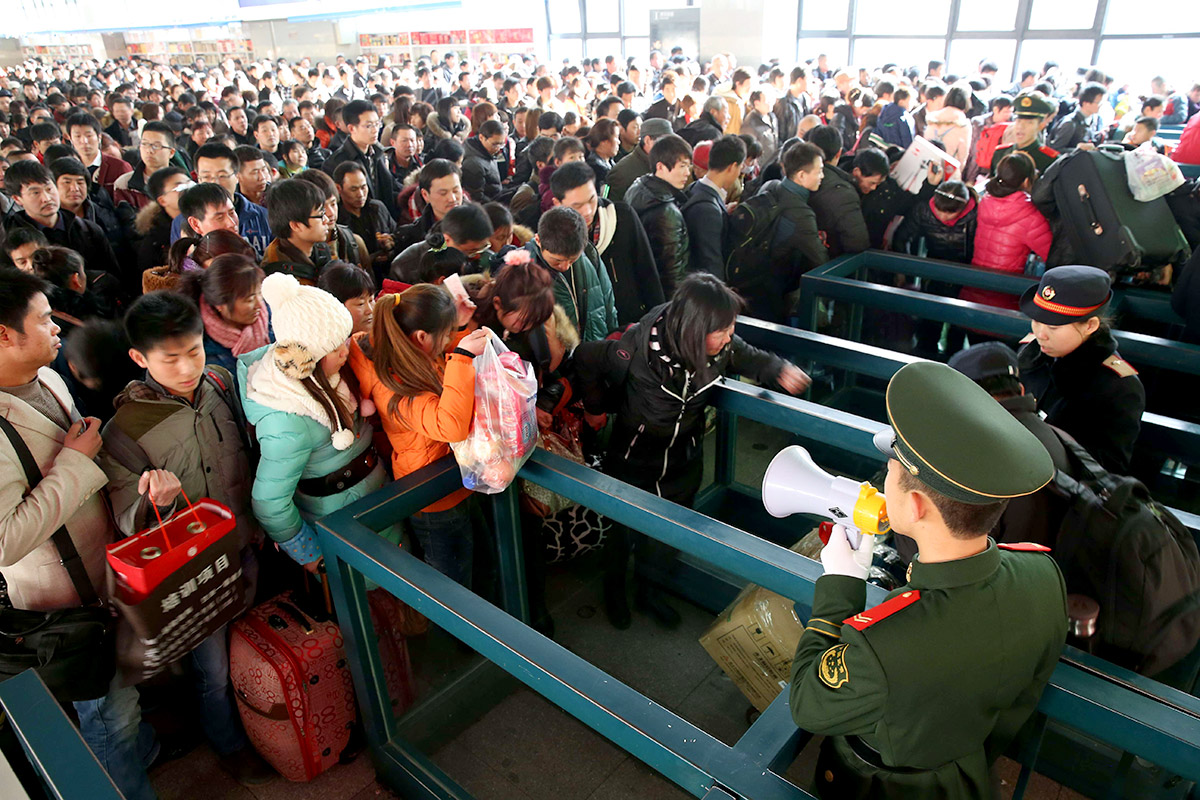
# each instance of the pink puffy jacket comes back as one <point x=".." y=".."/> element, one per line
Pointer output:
<point x="1008" y="229"/>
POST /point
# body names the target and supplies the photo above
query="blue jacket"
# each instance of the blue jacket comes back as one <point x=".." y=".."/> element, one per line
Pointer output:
<point x="295" y="447"/>
<point x="252" y="224"/>
<point x="895" y="125"/>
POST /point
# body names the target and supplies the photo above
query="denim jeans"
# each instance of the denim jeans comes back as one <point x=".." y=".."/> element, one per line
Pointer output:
<point x="448" y="539"/>
<point x="218" y="716"/>
<point x="124" y="745"/>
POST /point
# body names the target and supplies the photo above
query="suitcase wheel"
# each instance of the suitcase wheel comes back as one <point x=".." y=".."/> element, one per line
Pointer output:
<point x="314" y="679"/>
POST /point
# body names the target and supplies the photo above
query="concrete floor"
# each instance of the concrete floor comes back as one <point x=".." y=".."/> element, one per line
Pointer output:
<point x="527" y="749"/>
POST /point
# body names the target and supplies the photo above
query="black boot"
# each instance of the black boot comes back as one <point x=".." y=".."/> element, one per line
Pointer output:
<point x="616" y="606"/>
<point x="650" y="600"/>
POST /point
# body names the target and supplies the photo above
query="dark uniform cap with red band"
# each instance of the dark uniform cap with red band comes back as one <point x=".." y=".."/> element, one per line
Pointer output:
<point x="1067" y="294"/>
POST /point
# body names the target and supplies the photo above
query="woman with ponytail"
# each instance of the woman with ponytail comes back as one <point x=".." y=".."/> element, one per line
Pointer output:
<point x="229" y="293"/>
<point x="315" y="442"/>
<point x="418" y="367"/>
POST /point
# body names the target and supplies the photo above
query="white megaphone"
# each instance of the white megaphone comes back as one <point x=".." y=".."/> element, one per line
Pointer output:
<point x="794" y="484"/>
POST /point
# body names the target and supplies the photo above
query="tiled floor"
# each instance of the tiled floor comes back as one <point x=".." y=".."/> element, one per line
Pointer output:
<point x="527" y="749"/>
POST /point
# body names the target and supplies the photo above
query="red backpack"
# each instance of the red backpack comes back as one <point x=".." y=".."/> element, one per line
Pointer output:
<point x="989" y="139"/>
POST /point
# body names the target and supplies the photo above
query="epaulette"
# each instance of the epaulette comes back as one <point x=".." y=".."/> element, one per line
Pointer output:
<point x="1119" y="366"/>
<point x="864" y="619"/>
<point x="1048" y="151"/>
<point x="1028" y="338"/>
<point x="1024" y="547"/>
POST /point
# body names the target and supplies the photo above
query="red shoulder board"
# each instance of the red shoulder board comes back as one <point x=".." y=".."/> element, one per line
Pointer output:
<point x="865" y="619"/>
<point x="1025" y="547"/>
<point x="1049" y="151"/>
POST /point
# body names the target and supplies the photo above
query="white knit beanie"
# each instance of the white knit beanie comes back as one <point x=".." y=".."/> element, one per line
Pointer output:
<point x="309" y="323"/>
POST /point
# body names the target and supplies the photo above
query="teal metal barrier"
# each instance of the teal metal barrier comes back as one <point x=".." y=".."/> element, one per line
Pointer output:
<point x="53" y="746"/>
<point x="1127" y="301"/>
<point x="1177" y="438"/>
<point x="1133" y="714"/>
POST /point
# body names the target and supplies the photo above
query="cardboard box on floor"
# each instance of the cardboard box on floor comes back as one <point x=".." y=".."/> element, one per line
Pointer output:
<point x="755" y="638"/>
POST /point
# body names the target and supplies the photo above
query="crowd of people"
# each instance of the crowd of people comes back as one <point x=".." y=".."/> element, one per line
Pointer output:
<point x="241" y="267"/>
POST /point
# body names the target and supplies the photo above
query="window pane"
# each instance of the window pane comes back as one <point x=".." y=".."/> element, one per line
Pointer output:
<point x="837" y="50"/>
<point x="638" y="48"/>
<point x="872" y="53"/>
<point x="603" y="48"/>
<point x="1067" y="53"/>
<point x="883" y="16"/>
<point x="1173" y="58"/>
<point x="566" y="49"/>
<point x="603" y="16"/>
<point x="1049" y="15"/>
<point x="825" y="15"/>
<point x="965" y="55"/>
<point x="987" y="15"/>
<point x="564" y="16"/>
<point x="637" y="16"/>
<point x="1133" y="16"/>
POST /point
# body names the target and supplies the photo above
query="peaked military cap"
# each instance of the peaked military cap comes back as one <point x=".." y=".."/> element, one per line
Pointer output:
<point x="1033" y="105"/>
<point x="953" y="437"/>
<point x="1067" y="294"/>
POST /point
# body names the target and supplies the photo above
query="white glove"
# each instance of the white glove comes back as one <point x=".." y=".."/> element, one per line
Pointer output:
<point x="839" y="558"/>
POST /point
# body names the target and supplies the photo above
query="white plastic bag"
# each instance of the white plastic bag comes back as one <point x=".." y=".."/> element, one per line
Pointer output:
<point x="1151" y="174"/>
<point x="504" y="425"/>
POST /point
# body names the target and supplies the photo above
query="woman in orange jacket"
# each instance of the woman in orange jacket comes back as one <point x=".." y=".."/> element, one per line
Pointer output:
<point x="420" y="373"/>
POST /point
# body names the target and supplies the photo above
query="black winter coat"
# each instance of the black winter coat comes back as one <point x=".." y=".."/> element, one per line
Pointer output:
<point x="708" y="229"/>
<point x="796" y="247"/>
<point x="1185" y="299"/>
<point x="703" y="129"/>
<point x="85" y="238"/>
<point x="629" y="260"/>
<point x="600" y="167"/>
<point x="953" y="242"/>
<point x="1099" y="404"/>
<point x="480" y="173"/>
<point x="657" y="439"/>
<point x="887" y="202"/>
<point x="374" y="161"/>
<point x="659" y="205"/>
<point x="839" y="213"/>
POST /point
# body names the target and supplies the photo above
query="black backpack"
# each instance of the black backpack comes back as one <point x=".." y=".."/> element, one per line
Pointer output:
<point x="751" y="231"/>
<point x="1131" y="555"/>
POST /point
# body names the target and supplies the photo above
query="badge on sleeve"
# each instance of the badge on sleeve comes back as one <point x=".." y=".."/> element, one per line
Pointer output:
<point x="833" y="670"/>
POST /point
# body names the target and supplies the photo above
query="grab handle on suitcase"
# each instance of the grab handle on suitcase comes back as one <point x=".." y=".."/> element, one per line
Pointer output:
<point x="277" y="711"/>
<point x="297" y="615"/>
<point x="1093" y="222"/>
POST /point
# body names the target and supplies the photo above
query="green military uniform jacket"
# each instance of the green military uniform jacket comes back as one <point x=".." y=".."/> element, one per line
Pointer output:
<point x="921" y="693"/>
<point x="1042" y="155"/>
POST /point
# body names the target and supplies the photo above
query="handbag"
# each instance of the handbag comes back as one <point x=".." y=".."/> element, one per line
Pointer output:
<point x="73" y="650"/>
<point x="175" y="584"/>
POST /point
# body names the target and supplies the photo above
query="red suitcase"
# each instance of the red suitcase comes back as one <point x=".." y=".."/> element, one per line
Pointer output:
<point x="392" y="619"/>
<point x="293" y="687"/>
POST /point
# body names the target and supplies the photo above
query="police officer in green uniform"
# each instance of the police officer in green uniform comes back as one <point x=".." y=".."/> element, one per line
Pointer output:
<point x="919" y="695"/>
<point x="1030" y="110"/>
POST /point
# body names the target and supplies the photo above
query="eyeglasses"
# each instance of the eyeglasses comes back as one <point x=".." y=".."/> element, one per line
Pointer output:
<point x="371" y="126"/>
<point x="320" y="216"/>
<point x="154" y="147"/>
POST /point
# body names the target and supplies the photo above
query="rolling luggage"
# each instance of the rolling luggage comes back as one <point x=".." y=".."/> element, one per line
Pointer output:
<point x="293" y="687"/>
<point x="1106" y="226"/>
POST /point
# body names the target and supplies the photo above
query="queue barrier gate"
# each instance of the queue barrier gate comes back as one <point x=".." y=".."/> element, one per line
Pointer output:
<point x="55" y="752"/>
<point x="1135" y="716"/>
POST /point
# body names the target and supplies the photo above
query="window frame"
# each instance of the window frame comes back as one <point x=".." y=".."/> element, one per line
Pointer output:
<point x="1019" y="34"/>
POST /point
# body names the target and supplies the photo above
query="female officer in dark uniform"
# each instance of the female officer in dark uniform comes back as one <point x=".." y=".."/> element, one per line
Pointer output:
<point x="1071" y="364"/>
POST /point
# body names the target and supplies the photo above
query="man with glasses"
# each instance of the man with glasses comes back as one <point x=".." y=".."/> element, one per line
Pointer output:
<point x="156" y="148"/>
<point x="362" y="125"/>
<point x="297" y="216"/>
<point x="216" y="163"/>
<point x="83" y="131"/>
